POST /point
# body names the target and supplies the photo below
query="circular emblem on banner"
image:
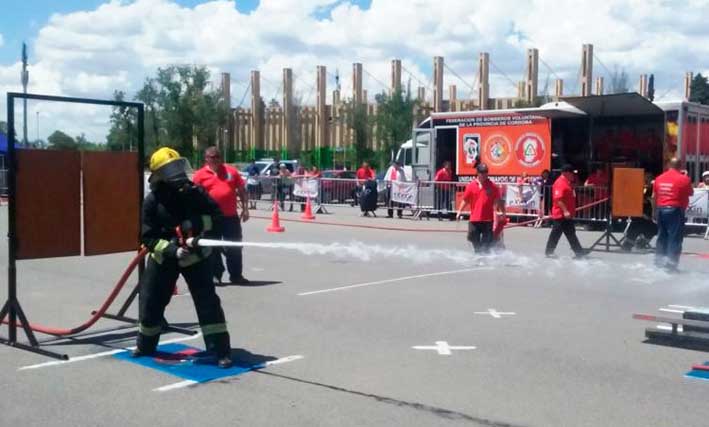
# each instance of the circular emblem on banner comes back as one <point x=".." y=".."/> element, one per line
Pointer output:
<point x="529" y="149"/>
<point x="498" y="149"/>
<point x="471" y="147"/>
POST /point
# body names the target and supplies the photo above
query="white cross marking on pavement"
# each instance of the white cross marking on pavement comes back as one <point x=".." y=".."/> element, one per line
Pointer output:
<point x="443" y="348"/>
<point x="496" y="314"/>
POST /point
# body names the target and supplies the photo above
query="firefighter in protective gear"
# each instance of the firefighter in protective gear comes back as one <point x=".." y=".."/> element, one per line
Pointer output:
<point x="174" y="210"/>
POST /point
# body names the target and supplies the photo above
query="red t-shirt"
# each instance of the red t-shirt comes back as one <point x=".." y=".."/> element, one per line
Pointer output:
<point x="365" y="174"/>
<point x="564" y="191"/>
<point x="482" y="198"/>
<point x="221" y="186"/>
<point x="443" y="175"/>
<point x="600" y="181"/>
<point x="672" y="189"/>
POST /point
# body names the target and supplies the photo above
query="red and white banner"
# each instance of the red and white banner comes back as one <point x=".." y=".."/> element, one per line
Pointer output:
<point x="509" y="144"/>
<point x="404" y="192"/>
<point x="306" y="187"/>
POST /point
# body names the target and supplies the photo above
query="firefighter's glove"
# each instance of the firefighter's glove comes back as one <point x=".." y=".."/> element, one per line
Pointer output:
<point x="182" y="253"/>
<point x="192" y="242"/>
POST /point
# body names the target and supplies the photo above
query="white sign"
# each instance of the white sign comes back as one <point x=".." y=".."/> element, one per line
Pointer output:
<point x="443" y="348"/>
<point x="306" y="187"/>
<point x="523" y="196"/>
<point x="698" y="205"/>
<point x="404" y="192"/>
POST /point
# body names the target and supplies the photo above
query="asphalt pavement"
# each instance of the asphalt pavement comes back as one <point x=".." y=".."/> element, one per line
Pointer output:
<point x="377" y="327"/>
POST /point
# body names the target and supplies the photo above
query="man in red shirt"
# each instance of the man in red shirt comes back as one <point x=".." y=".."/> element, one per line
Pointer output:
<point x="671" y="192"/>
<point x="483" y="196"/>
<point x="363" y="174"/>
<point x="223" y="183"/>
<point x="443" y="191"/>
<point x="598" y="180"/>
<point x="562" y="213"/>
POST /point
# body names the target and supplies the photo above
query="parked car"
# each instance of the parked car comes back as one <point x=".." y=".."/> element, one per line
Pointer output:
<point x="337" y="191"/>
<point x="268" y="168"/>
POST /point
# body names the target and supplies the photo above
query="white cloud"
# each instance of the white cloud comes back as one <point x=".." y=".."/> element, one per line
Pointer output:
<point x="119" y="44"/>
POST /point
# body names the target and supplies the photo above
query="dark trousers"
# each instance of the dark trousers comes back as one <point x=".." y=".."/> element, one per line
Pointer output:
<point x="480" y="235"/>
<point x="391" y="204"/>
<point x="670" y="233"/>
<point x="231" y="231"/>
<point x="565" y="226"/>
<point x="442" y="199"/>
<point x="156" y="289"/>
<point x="639" y="227"/>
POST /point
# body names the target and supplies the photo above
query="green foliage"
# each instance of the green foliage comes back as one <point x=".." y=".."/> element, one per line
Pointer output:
<point x="86" y="145"/>
<point x="181" y="111"/>
<point x="394" y="120"/>
<point x="58" y="140"/>
<point x="123" y="134"/>
<point x="699" y="89"/>
<point x="358" y="121"/>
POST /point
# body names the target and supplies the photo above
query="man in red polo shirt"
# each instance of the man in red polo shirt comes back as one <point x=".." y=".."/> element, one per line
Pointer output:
<point x="598" y="180"/>
<point x="483" y="196"/>
<point x="671" y="192"/>
<point x="562" y="213"/>
<point x="443" y="192"/>
<point x="363" y="174"/>
<point x="223" y="183"/>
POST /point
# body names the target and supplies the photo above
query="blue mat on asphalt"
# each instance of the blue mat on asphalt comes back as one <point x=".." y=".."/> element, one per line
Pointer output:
<point x="700" y="375"/>
<point x="186" y="362"/>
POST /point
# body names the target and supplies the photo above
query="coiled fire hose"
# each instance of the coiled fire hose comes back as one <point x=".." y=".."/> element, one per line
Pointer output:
<point x="100" y="312"/>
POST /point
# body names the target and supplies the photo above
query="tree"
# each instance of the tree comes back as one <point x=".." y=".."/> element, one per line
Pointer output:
<point x="189" y="110"/>
<point x="619" y="82"/>
<point x="122" y="135"/>
<point x="149" y="96"/>
<point x="358" y="121"/>
<point x="699" y="91"/>
<point x="58" y="140"/>
<point x="181" y="111"/>
<point x="394" y="119"/>
<point x="84" y="144"/>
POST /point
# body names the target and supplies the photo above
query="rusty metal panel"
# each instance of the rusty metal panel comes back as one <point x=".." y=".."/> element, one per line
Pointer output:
<point x="48" y="221"/>
<point x="111" y="202"/>
<point x="627" y="200"/>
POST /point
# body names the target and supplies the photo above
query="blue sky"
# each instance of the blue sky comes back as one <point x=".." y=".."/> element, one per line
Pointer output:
<point x="117" y="47"/>
<point x="24" y="18"/>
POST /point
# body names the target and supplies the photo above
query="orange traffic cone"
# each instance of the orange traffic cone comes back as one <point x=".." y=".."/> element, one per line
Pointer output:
<point x="308" y="214"/>
<point x="275" y="226"/>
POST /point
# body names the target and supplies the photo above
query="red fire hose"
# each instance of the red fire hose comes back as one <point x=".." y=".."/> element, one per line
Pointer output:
<point x="580" y="208"/>
<point x="100" y="312"/>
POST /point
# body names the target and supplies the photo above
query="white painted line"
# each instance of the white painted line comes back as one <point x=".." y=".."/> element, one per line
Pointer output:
<point x="105" y="353"/>
<point x="671" y="310"/>
<point x="174" y="386"/>
<point x="496" y="314"/>
<point x="669" y="328"/>
<point x="188" y="383"/>
<point x="443" y="348"/>
<point x="284" y="360"/>
<point x="398" y="279"/>
<point x="681" y="306"/>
